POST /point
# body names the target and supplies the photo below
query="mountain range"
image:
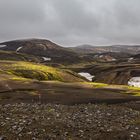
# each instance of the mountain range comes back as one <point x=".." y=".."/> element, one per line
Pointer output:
<point x="100" y="61"/>
<point x="132" y="49"/>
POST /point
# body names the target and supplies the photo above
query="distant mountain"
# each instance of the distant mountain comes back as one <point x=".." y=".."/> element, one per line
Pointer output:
<point x="50" y="52"/>
<point x="84" y="49"/>
<point x="53" y="54"/>
<point x="41" y="47"/>
<point x="109" y="56"/>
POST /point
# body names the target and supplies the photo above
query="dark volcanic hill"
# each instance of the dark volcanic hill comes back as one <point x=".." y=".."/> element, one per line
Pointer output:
<point x="47" y="50"/>
<point x="56" y="54"/>
<point x="42" y="48"/>
<point x="84" y="49"/>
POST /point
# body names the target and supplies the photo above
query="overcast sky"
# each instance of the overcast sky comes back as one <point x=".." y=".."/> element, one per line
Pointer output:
<point x="72" y="22"/>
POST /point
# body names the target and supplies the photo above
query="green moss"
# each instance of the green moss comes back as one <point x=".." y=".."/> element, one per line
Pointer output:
<point x="133" y="88"/>
<point x="96" y="85"/>
<point x="19" y="79"/>
<point x="33" y="71"/>
<point x="136" y="122"/>
<point x="134" y="91"/>
<point x="99" y="84"/>
<point x="33" y="93"/>
<point x="38" y="71"/>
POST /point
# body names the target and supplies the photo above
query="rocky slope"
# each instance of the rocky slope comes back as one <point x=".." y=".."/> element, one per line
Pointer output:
<point x="50" y="121"/>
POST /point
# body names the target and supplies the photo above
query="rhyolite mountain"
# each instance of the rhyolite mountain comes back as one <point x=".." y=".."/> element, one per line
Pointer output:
<point x="40" y="47"/>
<point x="44" y="48"/>
<point x="56" y="54"/>
<point x="109" y="64"/>
<point x="85" y="49"/>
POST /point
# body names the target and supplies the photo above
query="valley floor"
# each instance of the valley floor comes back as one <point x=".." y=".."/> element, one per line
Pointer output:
<point x="35" y="121"/>
<point x="34" y="109"/>
<point x="65" y="93"/>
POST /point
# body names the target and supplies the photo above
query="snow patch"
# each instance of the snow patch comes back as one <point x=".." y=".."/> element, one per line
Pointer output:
<point x="19" y="48"/>
<point x="95" y="56"/>
<point x="130" y="59"/>
<point x="2" y="46"/>
<point x="101" y="56"/>
<point x="88" y="76"/>
<point x="134" y="81"/>
<point x="46" y="59"/>
<point x="113" y="59"/>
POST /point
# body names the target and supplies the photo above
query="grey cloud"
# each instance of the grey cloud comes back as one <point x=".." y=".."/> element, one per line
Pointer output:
<point x="71" y="22"/>
<point x="75" y="16"/>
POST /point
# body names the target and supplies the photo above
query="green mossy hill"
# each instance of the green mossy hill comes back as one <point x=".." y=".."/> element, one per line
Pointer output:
<point x="124" y="89"/>
<point x="37" y="71"/>
<point x="15" y="56"/>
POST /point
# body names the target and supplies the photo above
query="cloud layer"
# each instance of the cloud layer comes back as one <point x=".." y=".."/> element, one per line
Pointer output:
<point x="71" y="22"/>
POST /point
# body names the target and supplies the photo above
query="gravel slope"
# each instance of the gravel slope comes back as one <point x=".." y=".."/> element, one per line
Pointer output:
<point x="36" y="121"/>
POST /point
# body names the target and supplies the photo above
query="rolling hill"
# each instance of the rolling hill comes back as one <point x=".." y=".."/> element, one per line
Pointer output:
<point x="114" y="73"/>
<point x="21" y="69"/>
<point x="15" y="56"/>
<point x="42" y="48"/>
<point x="110" y="64"/>
<point x="48" y="51"/>
<point x="85" y="49"/>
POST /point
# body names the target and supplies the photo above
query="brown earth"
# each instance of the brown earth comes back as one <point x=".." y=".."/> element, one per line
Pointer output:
<point x="52" y="110"/>
<point x="61" y="93"/>
<point x="114" y="73"/>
